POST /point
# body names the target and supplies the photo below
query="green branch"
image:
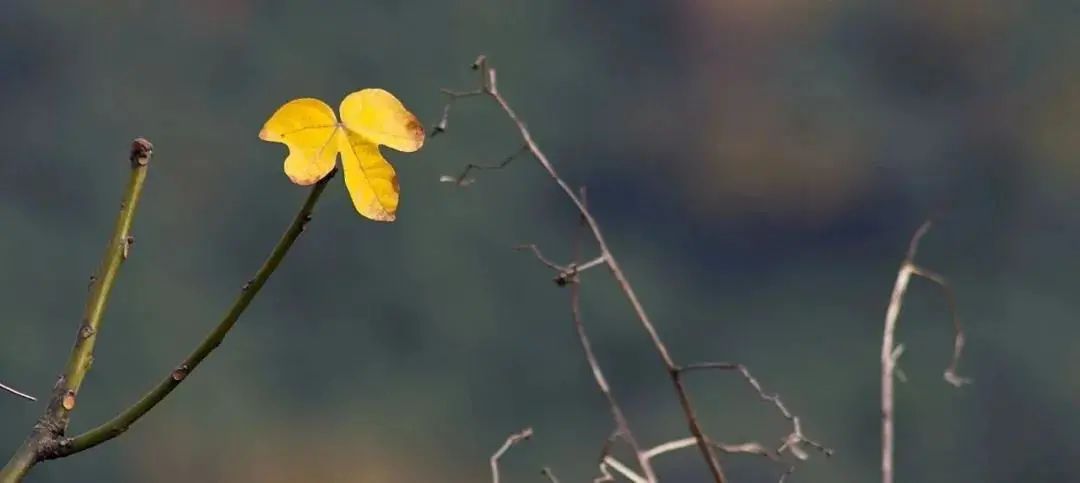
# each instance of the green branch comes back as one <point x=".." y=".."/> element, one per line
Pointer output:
<point x="54" y="421"/>
<point x="119" y="424"/>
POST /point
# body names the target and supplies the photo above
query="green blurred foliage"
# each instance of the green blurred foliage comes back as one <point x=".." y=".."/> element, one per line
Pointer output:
<point x="758" y="167"/>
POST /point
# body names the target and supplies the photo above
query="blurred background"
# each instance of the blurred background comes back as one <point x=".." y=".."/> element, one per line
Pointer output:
<point x="758" y="167"/>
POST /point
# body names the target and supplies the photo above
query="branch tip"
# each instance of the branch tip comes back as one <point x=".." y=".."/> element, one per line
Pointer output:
<point x="141" y="150"/>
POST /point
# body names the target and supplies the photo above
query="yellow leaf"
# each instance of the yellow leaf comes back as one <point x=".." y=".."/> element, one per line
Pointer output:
<point x="308" y="127"/>
<point x="379" y="116"/>
<point x="369" y="118"/>
<point x="371" y="180"/>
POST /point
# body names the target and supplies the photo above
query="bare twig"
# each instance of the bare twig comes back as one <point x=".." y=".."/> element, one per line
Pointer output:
<point x="622" y="427"/>
<point x="550" y="475"/>
<point x="744" y="448"/>
<point x="511" y="440"/>
<point x="489" y="87"/>
<point x="17" y="392"/>
<point x="564" y="273"/>
<point x="463" y="179"/>
<point x="890" y="351"/>
<point x="611" y="462"/>
<point x="540" y="256"/>
<point x="951" y="376"/>
<point x="796" y="438"/>
<point x="784" y="476"/>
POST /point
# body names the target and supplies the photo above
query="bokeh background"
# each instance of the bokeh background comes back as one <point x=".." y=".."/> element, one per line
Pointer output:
<point x="758" y="167"/>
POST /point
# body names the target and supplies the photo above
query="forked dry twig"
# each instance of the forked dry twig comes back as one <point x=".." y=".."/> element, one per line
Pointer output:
<point x="890" y="351"/>
<point x="567" y="275"/>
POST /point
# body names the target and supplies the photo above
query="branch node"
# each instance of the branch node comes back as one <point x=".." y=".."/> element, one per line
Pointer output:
<point x="180" y="373"/>
<point x="68" y="401"/>
<point x="125" y="249"/>
<point x="86" y="331"/>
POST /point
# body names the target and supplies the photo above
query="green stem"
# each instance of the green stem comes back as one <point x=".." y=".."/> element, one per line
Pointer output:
<point x="119" y="424"/>
<point x="54" y="421"/>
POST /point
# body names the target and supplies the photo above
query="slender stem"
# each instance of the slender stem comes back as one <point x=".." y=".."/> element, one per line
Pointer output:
<point x="622" y="425"/>
<point x="489" y="86"/>
<point x="54" y="421"/>
<point x="890" y="351"/>
<point x="17" y="392"/>
<point x="119" y="424"/>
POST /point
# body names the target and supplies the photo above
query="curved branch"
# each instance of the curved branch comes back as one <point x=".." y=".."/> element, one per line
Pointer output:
<point x="119" y="424"/>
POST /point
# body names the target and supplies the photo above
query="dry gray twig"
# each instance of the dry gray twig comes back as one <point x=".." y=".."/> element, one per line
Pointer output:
<point x="17" y="392"/>
<point x="511" y="440"/>
<point x="792" y="443"/>
<point x="489" y="88"/>
<point x="890" y="351"/>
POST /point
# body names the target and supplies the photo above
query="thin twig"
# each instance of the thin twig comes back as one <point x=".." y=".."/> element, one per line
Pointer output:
<point x="489" y="87"/>
<point x="611" y="462"/>
<point x="796" y="438"/>
<point x="622" y="427"/>
<point x="54" y="422"/>
<point x="743" y="448"/>
<point x="890" y="351"/>
<point x="550" y="475"/>
<point x="605" y="451"/>
<point x="17" y="392"/>
<point x="511" y="440"/>
<point x="540" y="256"/>
<point x="121" y="422"/>
<point x="784" y="476"/>
<point x="951" y="376"/>
<point x="463" y="179"/>
<point x="564" y="273"/>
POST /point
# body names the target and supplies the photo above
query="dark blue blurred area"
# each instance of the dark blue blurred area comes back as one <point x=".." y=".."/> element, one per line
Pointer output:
<point x="758" y="168"/>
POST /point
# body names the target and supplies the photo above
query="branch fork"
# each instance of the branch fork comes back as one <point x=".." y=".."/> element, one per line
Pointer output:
<point x="48" y="439"/>
<point x="568" y="275"/>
